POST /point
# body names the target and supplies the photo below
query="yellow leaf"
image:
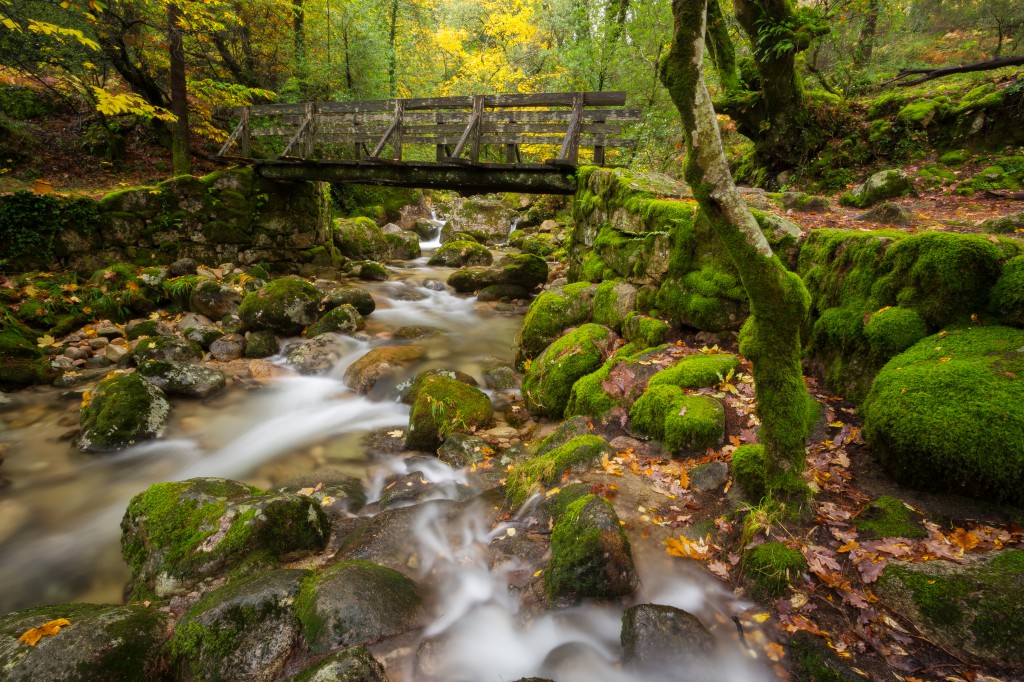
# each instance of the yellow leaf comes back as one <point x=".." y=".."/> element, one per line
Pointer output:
<point x="32" y="637"/>
<point x="761" y="617"/>
<point x="45" y="340"/>
<point x="945" y="359"/>
<point x="775" y="652"/>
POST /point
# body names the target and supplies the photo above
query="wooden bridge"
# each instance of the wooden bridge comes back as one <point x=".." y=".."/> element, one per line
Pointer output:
<point x="479" y="143"/>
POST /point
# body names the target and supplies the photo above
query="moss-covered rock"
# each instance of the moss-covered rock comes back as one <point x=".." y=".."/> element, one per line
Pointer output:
<point x="167" y="349"/>
<point x="814" y="661"/>
<point x="748" y="471"/>
<point x="802" y="202"/>
<point x="619" y="381"/>
<point x="888" y="184"/>
<point x="444" y="405"/>
<point x="590" y="554"/>
<point x="502" y="292"/>
<point x="122" y="410"/>
<point x="1009" y="224"/>
<point x="710" y="298"/>
<point x="1007" y="296"/>
<point x="356" y="602"/>
<point x="403" y="244"/>
<point x="944" y="415"/>
<point x="214" y="299"/>
<point x="547" y="468"/>
<point x="174" y="535"/>
<point x="771" y="568"/>
<point x="357" y="297"/>
<point x="174" y="378"/>
<point x="372" y="271"/>
<point x="343" y="319"/>
<point x="360" y="239"/>
<point x="456" y="254"/>
<point x="887" y="213"/>
<point x="524" y="270"/>
<point x="100" y="643"/>
<point x="551" y="313"/>
<point x="261" y="344"/>
<point x="680" y="421"/>
<point x="975" y="611"/>
<point x="355" y="664"/>
<point x="284" y="306"/>
<point x="613" y="301"/>
<point x="21" y="361"/>
<point x="697" y="371"/>
<point x="550" y="377"/>
<point x="644" y="330"/>
<point x="888" y="517"/>
<point x="246" y="630"/>
<point x="409" y="391"/>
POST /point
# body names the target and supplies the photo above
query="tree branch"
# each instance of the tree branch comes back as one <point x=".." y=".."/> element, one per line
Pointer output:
<point x="930" y="74"/>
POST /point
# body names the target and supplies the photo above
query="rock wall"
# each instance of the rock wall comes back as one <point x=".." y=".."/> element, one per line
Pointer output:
<point x="227" y="216"/>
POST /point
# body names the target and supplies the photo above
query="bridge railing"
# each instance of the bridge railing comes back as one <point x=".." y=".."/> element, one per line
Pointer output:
<point x="459" y="128"/>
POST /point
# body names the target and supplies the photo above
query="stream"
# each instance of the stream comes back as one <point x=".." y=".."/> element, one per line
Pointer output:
<point x="61" y="510"/>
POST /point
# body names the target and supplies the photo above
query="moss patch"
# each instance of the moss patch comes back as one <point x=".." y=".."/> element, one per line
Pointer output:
<point x="682" y="422"/>
<point x="697" y="371"/>
<point x="547" y="469"/>
<point x="771" y="568"/>
<point x="551" y="313"/>
<point x="444" y="405"/>
<point x="549" y="380"/>
<point x="888" y="517"/>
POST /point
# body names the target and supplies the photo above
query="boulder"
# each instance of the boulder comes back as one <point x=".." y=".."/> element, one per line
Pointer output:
<point x="404" y="245"/>
<point x="355" y="664"/>
<point x="167" y="349"/>
<point x="285" y="306"/>
<point x="175" y="535"/>
<point x="385" y="538"/>
<point x="409" y="390"/>
<point x="657" y="639"/>
<point x="1008" y="224"/>
<point x="524" y="270"/>
<point x="97" y="643"/>
<point x="502" y="292"/>
<point x="548" y="467"/>
<point x="174" y="378"/>
<point x="502" y="378"/>
<point x="228" y="347"/>
<point x="357" y="602"/>
<point x="887" y="184"/>
<point x="614" y="300"/>
<point x="214" y="299"/>
<point x="887" y="213"/>
<point x="363" y="374"/>
<point x="550" y="377"/>
<point x="442" y="406"/>
<point x="122" y="410"/>
<point x="138" y="328"/>
<point x="336" y="491"/>
<point x="1007" y="296"/>
<point x="487" y="218"/>
<point x="261" y="344"/>
<point x="644" y="330"/>
<point x="360" y="239"/>
<point x="456" y="254"/>
<point x="371" y="271"/>
<point x="317" y="355"/>
<point x="680" y="421"/>
<point x="551" y="313"/>
<point x="343" y="319"/>
<point x="243" y="632"/>
<point x="804" y="203"/>
<point x="357" y="297"/>
<point x="203" y="337"/>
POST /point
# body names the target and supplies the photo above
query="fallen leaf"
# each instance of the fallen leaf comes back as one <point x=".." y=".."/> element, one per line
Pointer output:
<point x="775" y="652"/>
<point x="32" y="637"/>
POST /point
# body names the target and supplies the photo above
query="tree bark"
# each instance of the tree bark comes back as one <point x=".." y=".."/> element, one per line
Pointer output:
<point x="930" y="74"/>
<point x="392" y="54"/>
<point x="866" y="43"/>
<point x="299" y="31"/>
<point x="778" y="299"/>
<point x="182" y="158"/>
<point x="721" y="49"/>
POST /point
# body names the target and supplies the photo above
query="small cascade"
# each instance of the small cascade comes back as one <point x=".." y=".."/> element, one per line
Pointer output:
<point x="435" y="241"/>
<point x="515" y="224"/>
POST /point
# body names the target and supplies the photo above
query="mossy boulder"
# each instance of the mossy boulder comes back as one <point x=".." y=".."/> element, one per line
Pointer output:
<point x="100" y="643"/>
<point x="887" y="184"/>
<point x="344" y="320"/>
<point x="524" y="270"/>
<point x="680" y="421"/>
<point x="887" y="213"/>
<point x="487" y="218"/>
<point x="360" y="239"/>
<point x="802" y="202"/>
<point x="619" y="381"/>
<point x="246" y="630"/>
<point x="893" y="330"/>
<point x="697" y="371"/>
<point x="403" y="244"/>
<point x="656" y="638"/>
<point x="372" y="271"/>
<point x="356" y="602"/>
<point x="214" y="299"/>
<point x="590" y="554"/>
<point x="122" y="410"/>
<point x="21" y="361"/>
<point x="888" y="517"/>
<point x="357" y="297"/>
<point x="771" y="568"/>
<point x="1009" y="224"/>
<point x="167" y="349"/>
<point x="549" y="379"/>
<point x="189" y="381"/>
<point x="551" y="313"/>
<point x="644" y="330"/>
<point x="613" y="301"/>
<point x="502" y="292"/>
<point x="457" y="254"/>
<point x="975" y="611"/>
<point x="945" y="414"/>
<point x="444" y="405"/>
<point x="548" y="467"/>
<point x="175" y="535"/>
<point x="284" y="306"/>
<point x="814" y="661"/>
<point x="355" y="664"/>
<point x="380" y="363"/>
<point x="710" y="298"/>
<point x="261" y="344"/>
<point x="1007" y="296"/>
<point x="409" y="391"/>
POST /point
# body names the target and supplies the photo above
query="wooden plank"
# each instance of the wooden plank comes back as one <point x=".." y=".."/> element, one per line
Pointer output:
<point x="297" y="136"/>
<point x="571" y="146"/>
<point x="309" y="136"/>
<point x="539" y="99"/>
<point x="494" y="138"/>
<point x="547" y="116"/>
<point x="246" y="142"/>
<point x="395" y="124"/>
<point x="478" y="112"/>
<point x="231" y="139"/>
<point x="474" y="121"/>
<point x="397" y="144"/>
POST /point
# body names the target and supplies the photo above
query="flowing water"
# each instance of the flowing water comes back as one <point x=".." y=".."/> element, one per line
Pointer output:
<point x="60" y="511"/>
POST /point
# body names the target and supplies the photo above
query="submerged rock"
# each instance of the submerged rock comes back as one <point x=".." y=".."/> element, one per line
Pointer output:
<point x="121" y="411"/>
<point x="363" y="374"/>
<point x="317" y="355"/>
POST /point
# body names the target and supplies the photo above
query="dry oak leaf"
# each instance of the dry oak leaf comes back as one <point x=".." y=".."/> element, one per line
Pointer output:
<point x="32" y="637"/>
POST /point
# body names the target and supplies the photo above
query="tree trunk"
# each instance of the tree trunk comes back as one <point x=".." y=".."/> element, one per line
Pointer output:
<point x="778" y="299"/>
<point x="182" y="158"/>
<point x="866" y="44"/>
<point x="299" y="32"/>
<point x="721" y="49"/>
<point x="392" y="55"/>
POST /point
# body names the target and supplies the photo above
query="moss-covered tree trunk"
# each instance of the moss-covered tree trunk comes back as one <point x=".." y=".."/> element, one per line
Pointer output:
<point x="778" y="298"/>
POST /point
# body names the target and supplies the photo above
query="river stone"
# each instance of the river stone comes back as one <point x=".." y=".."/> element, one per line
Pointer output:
<point x="887" y="184"/>
<point x="261" y="344"/>
<point x="379" y="363"/>
<point x="372" y="271"/>
<point x="138" y="328"/>
<point x="433" y="284"/>
<point x="444" y="405"/>
<point x="663" y="639"/>
<point x="318" y="355"/>
<point x="409" y="390"/>
<point x="357" y="297"/>
<point x="502" y="292"/>
<point x="344" y="319"/>
<point x="524" y="270"/>
<point x="214" y="299"/>
<point x="174" y="535"/>
<point x="590" y="554"/>
<point x="486" y="218"/>
<point x="356" y="664"/>
<point x="284" y="306"/>
<point x="102" y="643"/>
<point x="550" y="378"/>
<point x="406" y="490"/>
<point x="167" y="348"/>
<point x="413" y="332"/>
<point x="203" y="336"/>
<point x="335" y="491"/>
<point x="243" y="632"/>
<point x="190" y="381"/>
<point x="228" y="347"/>
<point x="457" y="254"/>
<point x="360" y="239"/>
<point x="182" y="267"/>
<point x="710" y="476"/>
<point x="121" y="411"/>
<point x="357" y="602"/>
<point x="389" y="538"/>
<point x="404" y="245"/>
<point x="502" y="378"/>
<point x="191" y="320"/>
<point x="462" y="450"/>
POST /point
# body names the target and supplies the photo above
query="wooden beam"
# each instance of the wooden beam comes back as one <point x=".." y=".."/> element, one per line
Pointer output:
<point x="571" y="145"/>
<point x="396" y="123"/>
<point x="478" y="114"/>
<point x="474" y="121"/>
<point x="246" y="142"/>
<point x="231" y="139"/>
<point x="540" y="99"/>
<point x="297" y="136"/>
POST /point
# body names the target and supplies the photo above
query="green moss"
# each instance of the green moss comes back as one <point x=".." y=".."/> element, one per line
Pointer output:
<point x="920" y="113"/>
<point x="893" y="330"/>
<point x="344" y="319"/>
<point x="122" y="411"/>
<point x="588" y="397"/>
<point x="374" y="272"/>
<point x="587" y="546"/>
<point x="285" y="306"/>
<point x="879" y="187"/>
<point x="171" y="348"/>
<point x="549" y="380"/>
<point x="957" y="157"/>
<point x="1007" y="296"/>
<point x="748" y="470"/>
<point x="548" y="469"/>
<point x="771" y="568"/>
<point x="552" y="312"/>
<point x="686" y="422"/>
<point x="613" y="300"/>
<point x="888" y="517"/>
<point x="814" y="662"/>
<point x="444" y="405"/>
<point x="697" y="371"/>
<point x="643" y="330"/>
<point x="1009" y="224"/>
<point x="710" y="299"/>
<point x="455" y="254"/>
<point x="945" y="414"/>
<point x="261" y="345"/>
<point x="360" y="239"/>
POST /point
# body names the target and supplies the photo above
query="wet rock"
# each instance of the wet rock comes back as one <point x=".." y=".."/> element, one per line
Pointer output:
<point x="168" y="349"/>
<point x="502" y="292"/>
<point x="887" y="184"/>
<point x="228" y="347"/>
<point x="887" y="213"/>
<point x="385" y="441"/>
<point x="590" y="554"/>
<point x="360" y="239"/>
<point x="486" y="218"/>
<point x="357" y="297"/>
<point x="433" y="284"/>
<point x="710" y="476"/>
<point x="175" y="535"/>
<point x="263" y="371"/>
<point x="335" y="491"/>
<point x="356" y="664"/>
<point x="214" y="299"/>
<point x="363" y="374"/>
<point x="413" y="332"/>
<point x="190" y="321"/>
<point x="456" y="254"/>
<point x="442" y="406"/>
<point x="461" y="450"/>
<point x="139" y="328"/>
<point x="406" y="490"/>
<point x="549" y="380"/>
<point x="404" y="245"/>
<point x="524" y="270"/>
<point x="284" y="306"/>
<point x="502" y="378"/>
<point x="121" y="411"/>
<point x="409" y="390"/>
<point x="357" y="602"/>
<point x="182" y="267"/>
<point x="424" y="228"/>
<point x="100" y="643"/>
<point x="190" y="381"/>
<point x="245" y="631"/>
<point x="374" y="272"/>
<point x="261" y="344"/>
<point x="203" y="336"/>
<point x="548" y="468"/>
<point x="318" y="355"/>
<point x="660" y="640"/>
<point x="344" y="319"/>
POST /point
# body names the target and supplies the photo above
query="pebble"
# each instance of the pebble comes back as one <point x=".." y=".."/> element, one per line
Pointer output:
<point x="97" y="362"/>
<point x="76" y="353"/>
<point x="98" y="342"/>
<point x="502" y="432"/>
<point x="62" y="362"/>
<point x="115" y="353"/>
